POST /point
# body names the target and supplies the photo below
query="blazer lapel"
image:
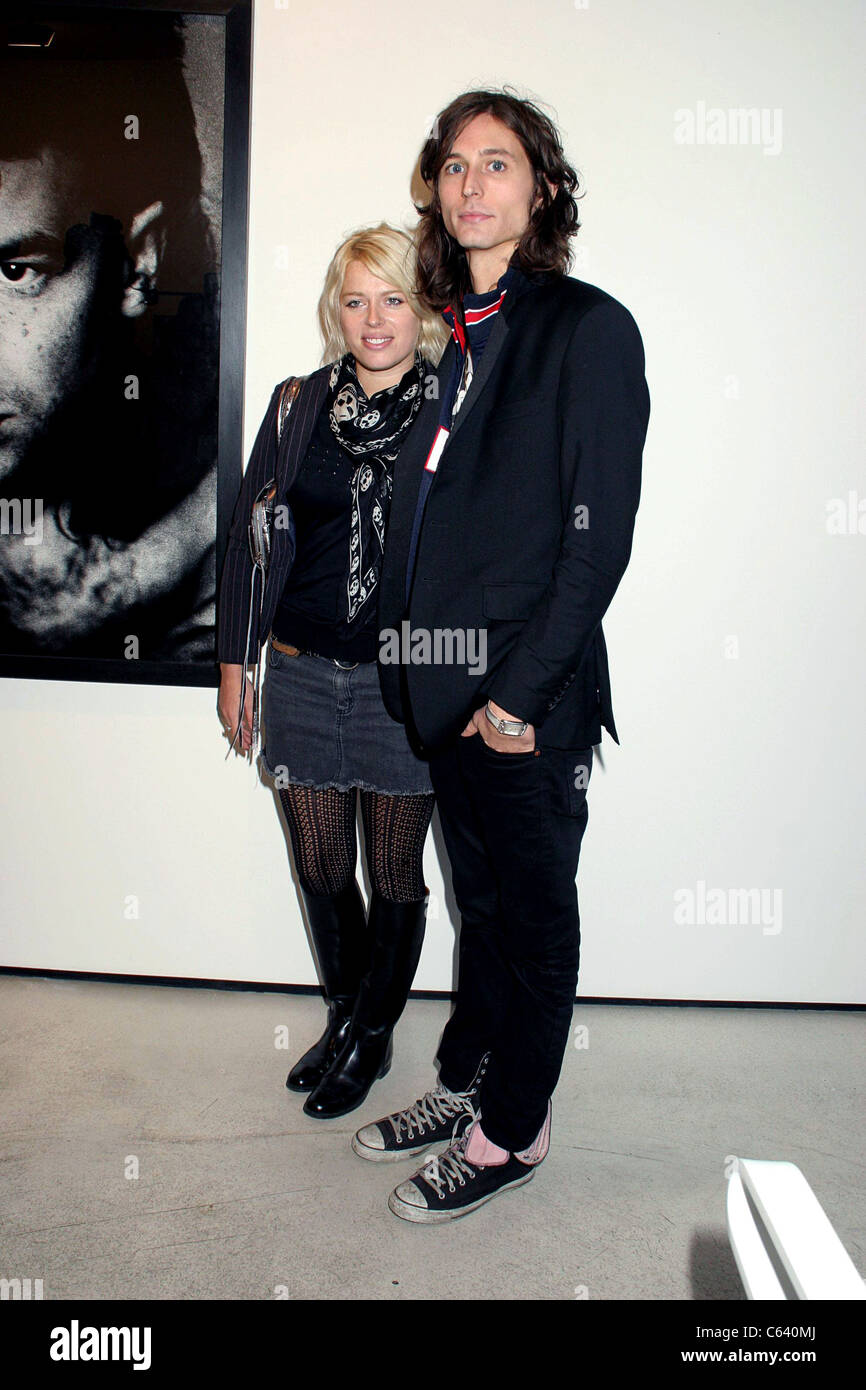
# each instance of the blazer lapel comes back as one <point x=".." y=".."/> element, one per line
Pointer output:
<point x="407" y="472"/>
<point x="498" y="334"/>
<point x="410" y="464"/>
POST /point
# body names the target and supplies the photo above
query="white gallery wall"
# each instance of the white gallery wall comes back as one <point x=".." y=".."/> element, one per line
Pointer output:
<point x="724" y="854"/>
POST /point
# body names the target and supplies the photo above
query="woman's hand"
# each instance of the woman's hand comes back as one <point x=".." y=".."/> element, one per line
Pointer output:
<point x="229" y="703"/>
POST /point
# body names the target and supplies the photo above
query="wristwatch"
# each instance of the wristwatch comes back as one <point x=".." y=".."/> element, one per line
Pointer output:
<point x="512" y="727"/>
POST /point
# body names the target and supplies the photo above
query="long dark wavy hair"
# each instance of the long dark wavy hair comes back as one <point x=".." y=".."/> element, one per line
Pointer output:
<point x="443" y="270"/>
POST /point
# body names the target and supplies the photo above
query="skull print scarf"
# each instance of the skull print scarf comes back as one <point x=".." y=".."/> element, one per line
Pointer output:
<point x="372" y="429"/>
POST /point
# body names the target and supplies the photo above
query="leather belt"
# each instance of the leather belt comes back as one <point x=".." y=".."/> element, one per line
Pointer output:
<point x="289" y="650"/>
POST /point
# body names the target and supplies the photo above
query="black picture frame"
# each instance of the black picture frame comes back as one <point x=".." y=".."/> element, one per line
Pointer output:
<point x="236" y="17"/>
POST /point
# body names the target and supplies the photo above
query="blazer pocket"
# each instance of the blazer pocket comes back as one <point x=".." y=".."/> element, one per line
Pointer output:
<point x="515" y="601"/>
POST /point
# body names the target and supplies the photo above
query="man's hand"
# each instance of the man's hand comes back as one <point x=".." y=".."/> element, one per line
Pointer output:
<point x="503" y="743"/>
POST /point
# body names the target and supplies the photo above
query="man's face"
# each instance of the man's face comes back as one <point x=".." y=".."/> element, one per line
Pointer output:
<point x="486" y="186"/>
<point x="47" y="299"/>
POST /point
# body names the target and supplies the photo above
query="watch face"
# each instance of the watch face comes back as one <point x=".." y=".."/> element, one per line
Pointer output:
<point x="511" y="727"/>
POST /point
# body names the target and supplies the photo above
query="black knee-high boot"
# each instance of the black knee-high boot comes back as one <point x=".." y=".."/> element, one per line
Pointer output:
<point x="396" y="935"/>
<point x="339" y="931"/>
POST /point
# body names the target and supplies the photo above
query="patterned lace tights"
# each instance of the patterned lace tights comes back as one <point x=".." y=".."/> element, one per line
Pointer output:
<point x="322" y="828"/>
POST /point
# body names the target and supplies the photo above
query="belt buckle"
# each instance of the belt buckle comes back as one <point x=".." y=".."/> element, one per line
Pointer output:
<point x="345" y="665"/>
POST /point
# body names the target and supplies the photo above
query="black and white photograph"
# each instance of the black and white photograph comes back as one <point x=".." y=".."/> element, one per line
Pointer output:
<point x="111" y="178"/>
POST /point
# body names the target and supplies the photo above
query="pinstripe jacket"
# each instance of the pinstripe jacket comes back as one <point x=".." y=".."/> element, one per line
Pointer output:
<point x="266" y="461"/>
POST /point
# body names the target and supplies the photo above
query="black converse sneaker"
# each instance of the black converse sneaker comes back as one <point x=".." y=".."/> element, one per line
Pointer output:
<point x="436" y="1118"/>
<point x="449" y="1185"/>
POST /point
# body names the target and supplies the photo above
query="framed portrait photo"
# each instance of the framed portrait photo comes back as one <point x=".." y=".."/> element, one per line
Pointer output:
<point x="124" y="156"/>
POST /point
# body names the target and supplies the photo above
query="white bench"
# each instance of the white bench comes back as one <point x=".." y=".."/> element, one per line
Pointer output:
<point x="783" y="1243"/>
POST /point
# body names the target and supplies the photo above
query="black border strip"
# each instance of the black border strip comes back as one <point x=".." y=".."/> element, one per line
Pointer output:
<point x="233" y="305"/>
<point x="273" y="987"/>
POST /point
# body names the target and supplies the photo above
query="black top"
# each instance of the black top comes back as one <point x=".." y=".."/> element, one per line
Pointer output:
<point x="314" y="595"/>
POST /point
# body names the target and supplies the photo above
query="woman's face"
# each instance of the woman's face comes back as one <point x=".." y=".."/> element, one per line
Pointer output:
<point x="380" y="327"/>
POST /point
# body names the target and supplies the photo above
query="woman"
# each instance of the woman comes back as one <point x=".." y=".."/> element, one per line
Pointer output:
<point x="326" y="732"/>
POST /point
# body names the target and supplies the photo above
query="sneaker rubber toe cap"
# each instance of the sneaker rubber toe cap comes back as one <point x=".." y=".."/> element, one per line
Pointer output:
<point x="371" y="1137"/>
<point x="411" y="1195"/>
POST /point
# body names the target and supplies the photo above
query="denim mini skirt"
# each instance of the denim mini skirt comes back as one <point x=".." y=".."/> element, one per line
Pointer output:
<point x="325" y="726"/>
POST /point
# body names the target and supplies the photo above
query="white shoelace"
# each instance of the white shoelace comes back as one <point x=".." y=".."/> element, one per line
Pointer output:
<point x="431" y="1110"/>
<point x="453" y="1163"/>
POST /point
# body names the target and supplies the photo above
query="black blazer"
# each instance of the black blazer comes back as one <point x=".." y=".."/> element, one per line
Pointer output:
<point x="555" y="419"/>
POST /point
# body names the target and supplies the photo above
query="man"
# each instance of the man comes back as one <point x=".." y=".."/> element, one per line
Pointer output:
<point x="108" y="347"/>
<point x="511" y="521"/>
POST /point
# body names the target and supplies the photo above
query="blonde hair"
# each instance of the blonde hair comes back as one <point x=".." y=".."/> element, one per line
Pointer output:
<point x="389" y="254"/>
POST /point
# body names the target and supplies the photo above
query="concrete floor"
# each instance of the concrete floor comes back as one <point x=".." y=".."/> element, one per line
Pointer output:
<point x="239" y="1194"/>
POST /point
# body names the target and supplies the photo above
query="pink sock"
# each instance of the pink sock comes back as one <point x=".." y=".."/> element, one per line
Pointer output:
<point x="540" y="1144"/>
<point x="480" y="1150"/>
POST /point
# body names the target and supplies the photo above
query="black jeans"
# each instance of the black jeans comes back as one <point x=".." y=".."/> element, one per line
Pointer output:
<point x="513" y="825"/>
